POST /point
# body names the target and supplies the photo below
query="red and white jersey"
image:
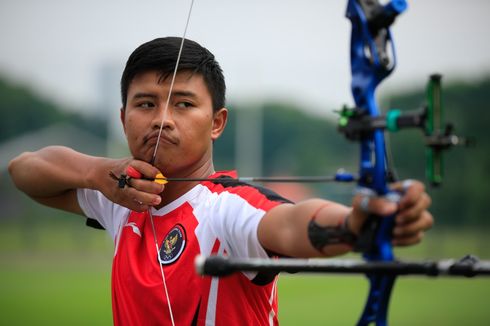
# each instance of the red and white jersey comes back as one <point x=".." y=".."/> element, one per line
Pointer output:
<point x="218" y="217"/>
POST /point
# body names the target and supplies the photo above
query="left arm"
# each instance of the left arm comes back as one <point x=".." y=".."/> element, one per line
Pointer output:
<point x="284" y="229"/>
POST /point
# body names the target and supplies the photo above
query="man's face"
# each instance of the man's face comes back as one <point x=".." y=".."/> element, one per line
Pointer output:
<point x="189" y="125"/>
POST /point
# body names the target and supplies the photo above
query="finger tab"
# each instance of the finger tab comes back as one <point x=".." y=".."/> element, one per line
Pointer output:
<point x="133" y="173"/>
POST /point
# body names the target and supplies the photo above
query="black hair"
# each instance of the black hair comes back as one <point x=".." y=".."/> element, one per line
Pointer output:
<point x="161" y="55"/>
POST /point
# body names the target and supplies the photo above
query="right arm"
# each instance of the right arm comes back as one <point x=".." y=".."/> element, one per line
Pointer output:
<point x="52" y="175"/>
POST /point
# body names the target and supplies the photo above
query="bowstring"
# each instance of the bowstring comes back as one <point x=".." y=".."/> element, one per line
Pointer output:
<point x="164" y="116"/>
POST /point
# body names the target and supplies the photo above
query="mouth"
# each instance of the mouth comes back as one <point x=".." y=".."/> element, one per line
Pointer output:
<point x="152" y="138"/>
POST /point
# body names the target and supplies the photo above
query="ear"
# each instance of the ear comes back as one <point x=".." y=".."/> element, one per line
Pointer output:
<point x="219" y="122"/>
<point x="122" y="115"/>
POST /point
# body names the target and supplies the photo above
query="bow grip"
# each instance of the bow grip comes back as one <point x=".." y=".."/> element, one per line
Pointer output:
<point x="375" y="243"/>
<point x="374" y="240"/>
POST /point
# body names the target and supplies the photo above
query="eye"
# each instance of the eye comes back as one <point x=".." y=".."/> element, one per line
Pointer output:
<point x="146" y="105"/>
<point x="183" y="105"/>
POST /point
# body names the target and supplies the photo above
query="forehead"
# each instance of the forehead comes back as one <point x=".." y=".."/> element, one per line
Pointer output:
<point x="154" y="81"/>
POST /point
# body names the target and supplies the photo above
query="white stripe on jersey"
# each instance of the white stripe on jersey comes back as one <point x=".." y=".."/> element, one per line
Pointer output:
<point x="213" y="296"/>
<point x="272" y="313"/>
<point x="232" y="220"/>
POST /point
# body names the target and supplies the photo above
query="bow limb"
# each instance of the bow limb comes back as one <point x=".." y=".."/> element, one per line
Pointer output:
<point x="370" y="64"/>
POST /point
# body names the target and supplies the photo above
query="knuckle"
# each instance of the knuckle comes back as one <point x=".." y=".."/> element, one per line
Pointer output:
<point x="118" y="196"/>
<point x="139" y="209"/>
<point x="430" y="220"/>
<point x="156" y="188"/>
<point x="428" y="199"/>
<point x="419" y="237"/>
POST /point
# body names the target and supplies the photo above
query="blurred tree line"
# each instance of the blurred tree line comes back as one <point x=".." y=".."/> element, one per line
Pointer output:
<point x="298" y="143"/>
<point x="23" y="111"/>
<point x="302" y="144"/>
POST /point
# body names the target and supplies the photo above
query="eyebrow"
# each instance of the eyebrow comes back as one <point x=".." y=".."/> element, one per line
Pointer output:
<point x="143" y="95"/>
<point x="184" y="94"/>
<point x="174" y="93"/>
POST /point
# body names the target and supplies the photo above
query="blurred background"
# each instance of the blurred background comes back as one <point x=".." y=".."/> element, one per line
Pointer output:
<point x="287" y="70"/>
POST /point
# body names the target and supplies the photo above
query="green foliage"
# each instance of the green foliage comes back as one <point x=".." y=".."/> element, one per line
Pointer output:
<point x="24" y="111"/>
<point x="300" y="143"/>
<point x="293" y="142"/>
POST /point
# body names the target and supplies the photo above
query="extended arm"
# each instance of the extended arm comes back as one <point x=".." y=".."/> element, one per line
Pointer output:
<point x="284" y="229"/>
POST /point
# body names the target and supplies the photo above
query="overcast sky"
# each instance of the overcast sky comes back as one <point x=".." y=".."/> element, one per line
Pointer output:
<point x="294" y="50"/>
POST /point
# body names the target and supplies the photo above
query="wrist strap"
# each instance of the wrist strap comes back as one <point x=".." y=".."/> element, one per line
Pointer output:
<point x="321" y="236"/>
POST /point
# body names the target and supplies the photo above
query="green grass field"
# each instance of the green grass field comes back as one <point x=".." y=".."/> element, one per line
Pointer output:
<point x="43" y="283"/>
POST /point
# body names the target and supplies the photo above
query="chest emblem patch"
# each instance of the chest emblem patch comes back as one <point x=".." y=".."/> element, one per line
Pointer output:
<point x="173" y="245"/>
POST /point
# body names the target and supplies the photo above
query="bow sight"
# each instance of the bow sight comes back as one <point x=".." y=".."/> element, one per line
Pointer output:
<point x="356" y="124"/>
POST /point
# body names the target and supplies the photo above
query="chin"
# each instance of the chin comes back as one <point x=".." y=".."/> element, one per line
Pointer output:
<point x="145" y="157"/>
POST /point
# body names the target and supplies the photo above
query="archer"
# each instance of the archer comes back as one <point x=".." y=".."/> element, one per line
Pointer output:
<point x="170" y="126"/>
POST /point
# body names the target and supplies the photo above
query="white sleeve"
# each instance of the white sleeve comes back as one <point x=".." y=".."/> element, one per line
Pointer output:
<point x="96" y="206"/>
<point x="236" y="223"/>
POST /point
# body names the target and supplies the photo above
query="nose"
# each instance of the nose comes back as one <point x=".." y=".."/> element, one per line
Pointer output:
<point x="163" y="118"/>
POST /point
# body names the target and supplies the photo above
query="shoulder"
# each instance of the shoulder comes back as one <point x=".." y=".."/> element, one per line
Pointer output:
<point x="227" y="184"/>
<point x="102" y="212"/>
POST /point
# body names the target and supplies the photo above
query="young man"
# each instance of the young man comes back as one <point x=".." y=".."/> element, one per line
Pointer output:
<point x="158" y="285"/>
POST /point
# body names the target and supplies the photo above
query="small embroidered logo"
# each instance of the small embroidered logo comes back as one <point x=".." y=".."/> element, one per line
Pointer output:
<point x="135" y="228"/>
<point x="173" y="245"/>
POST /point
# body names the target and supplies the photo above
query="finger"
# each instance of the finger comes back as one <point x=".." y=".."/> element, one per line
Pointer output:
<point x="139" y="171"/>
<point x="411" y="190"/>
<point x="147" y="186"/>
<point x="383" y="206"/>
<point x="133" y="173"/>
<point x="424" y="222"/>
<point x="374" y="205"/>
<point x="142" y="198"/>
<point x="123" y="198"/>
<point x="404" y="185"/>
<point x="138" y="207"/>
<point x="410" y="213"/>
<point x="408" y="240"/>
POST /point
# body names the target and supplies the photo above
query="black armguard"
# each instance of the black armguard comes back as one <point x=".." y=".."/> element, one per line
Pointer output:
<point x="321" y="236"/>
